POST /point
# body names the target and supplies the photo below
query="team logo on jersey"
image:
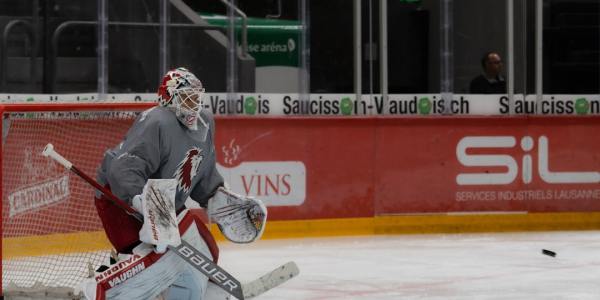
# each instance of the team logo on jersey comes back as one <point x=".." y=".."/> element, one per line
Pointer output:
<point x="187" y="169"/>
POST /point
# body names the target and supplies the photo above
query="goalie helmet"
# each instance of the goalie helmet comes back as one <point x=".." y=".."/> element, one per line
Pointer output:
<point x="182" y="92"/>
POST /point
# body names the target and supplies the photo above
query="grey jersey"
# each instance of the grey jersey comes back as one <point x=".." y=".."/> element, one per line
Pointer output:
<point x="158" y="146"/>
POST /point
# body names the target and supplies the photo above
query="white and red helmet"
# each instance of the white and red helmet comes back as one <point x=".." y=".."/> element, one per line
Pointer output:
<point x="183" y="92"/>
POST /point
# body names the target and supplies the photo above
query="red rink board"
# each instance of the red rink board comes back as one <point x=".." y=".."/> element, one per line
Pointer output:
<point x="360" y="167"/>
<point x="354" y="167"/>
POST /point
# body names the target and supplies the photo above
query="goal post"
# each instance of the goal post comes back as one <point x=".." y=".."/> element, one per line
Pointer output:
<point x="51" y="233"/>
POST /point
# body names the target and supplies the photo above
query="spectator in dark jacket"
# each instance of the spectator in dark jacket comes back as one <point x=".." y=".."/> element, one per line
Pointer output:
<point x="491" y="81"/>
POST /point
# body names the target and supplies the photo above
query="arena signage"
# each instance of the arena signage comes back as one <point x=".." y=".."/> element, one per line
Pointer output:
<point x="38" y="195"/>
<point x="276" y="183"/>
<point x="281" y="104"/>
<point x="511" y="163"/>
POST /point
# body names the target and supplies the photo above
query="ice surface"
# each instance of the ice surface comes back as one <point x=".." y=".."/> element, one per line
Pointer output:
<point x="457" y="266"/>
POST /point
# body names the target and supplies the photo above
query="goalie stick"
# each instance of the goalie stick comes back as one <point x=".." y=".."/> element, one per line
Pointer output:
<point x="270" y="280"/>
<point x="188" y="253"/>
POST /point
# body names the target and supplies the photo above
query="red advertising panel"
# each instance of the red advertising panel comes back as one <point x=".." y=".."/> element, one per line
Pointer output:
<point x="487" y="164"/>
<point x="364" y="166"/>
<point x="324" y="167"/>
<point x="320" y="168"/>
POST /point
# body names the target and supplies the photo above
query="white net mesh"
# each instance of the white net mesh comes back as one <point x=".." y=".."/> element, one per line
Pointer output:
<point x="50" y="230"/>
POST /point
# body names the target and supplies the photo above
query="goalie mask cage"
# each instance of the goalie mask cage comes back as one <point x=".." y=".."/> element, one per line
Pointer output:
<point x="51" y="233"/>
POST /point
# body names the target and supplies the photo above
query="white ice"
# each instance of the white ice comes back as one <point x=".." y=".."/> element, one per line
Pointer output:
<point x="453" y="266"/>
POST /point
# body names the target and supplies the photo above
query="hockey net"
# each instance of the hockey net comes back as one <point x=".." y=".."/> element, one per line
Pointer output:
<point x="51" y="234"/>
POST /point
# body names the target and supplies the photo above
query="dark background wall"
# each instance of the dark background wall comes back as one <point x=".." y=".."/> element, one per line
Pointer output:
<point x="571" y="44"/>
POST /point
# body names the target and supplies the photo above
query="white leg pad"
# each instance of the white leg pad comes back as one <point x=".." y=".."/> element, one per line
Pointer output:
<point x="214" y="292"/>
<point x="146" y="275"/>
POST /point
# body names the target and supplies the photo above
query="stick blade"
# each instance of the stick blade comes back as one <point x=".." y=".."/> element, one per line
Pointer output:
<point x="270" y="280"/>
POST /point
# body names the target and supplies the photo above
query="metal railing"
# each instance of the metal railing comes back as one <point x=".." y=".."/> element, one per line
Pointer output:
<point x="244" y="26"/>
<point x="63" y="26"/>
<point x="4" y="49"/>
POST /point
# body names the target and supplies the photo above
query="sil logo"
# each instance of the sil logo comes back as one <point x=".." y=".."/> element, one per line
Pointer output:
<point x="522" y="163"/>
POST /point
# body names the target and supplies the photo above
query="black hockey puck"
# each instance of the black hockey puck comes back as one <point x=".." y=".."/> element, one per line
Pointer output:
<point x="548" y="252"/>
